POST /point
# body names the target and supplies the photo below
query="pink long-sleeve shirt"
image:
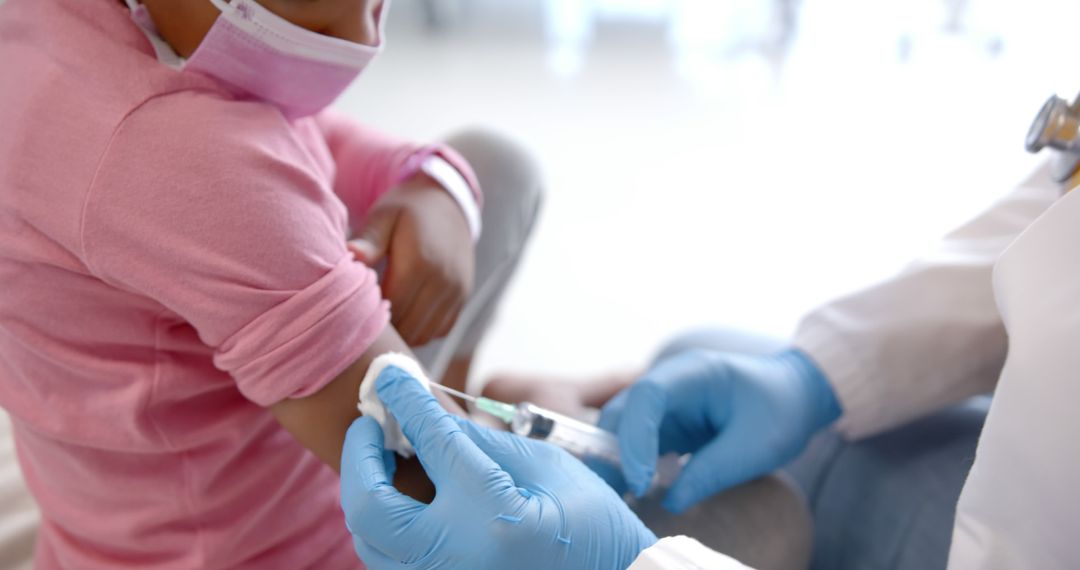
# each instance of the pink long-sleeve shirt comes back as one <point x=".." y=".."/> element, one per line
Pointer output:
<point x="172" y="261"/>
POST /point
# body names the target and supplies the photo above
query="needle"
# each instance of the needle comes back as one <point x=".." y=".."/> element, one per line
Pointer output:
<point x="453" y="392"/>
<point x="504" y="412"/>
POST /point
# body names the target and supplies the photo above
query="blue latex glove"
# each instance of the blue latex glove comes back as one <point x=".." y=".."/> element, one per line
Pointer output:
<point x="501" y="501"/>
<point x="740" y="416"/>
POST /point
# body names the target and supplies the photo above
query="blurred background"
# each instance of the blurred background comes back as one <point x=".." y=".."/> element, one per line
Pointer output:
<point x="712" y="162"/>
<point x="730" y="162"/>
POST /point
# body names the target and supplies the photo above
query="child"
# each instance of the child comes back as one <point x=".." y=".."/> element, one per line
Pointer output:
<point x="180" y="315"/>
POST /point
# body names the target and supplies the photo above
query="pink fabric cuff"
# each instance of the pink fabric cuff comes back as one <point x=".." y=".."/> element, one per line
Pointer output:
<point x="415" y="162"/>
<point x="299" y="346"/>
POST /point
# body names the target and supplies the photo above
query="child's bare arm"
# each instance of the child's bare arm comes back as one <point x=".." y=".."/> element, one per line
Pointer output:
<point x="319" y="421"/>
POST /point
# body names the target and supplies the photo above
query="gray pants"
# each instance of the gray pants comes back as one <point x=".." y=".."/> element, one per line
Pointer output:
<point x="513" y="193"/>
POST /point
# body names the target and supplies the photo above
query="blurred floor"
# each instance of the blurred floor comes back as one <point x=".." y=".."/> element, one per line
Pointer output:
<point x="705" y="164"/>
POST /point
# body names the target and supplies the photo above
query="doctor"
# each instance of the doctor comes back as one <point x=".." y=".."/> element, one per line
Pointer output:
<point x="996" y="307"/>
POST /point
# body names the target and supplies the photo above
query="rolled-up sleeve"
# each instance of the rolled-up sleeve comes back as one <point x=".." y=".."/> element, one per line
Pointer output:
<point x="215" y="210"/>
<point x="311" y="336"/>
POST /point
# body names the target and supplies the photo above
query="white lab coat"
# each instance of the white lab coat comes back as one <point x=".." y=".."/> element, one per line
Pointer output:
<point x="995" y="307"/>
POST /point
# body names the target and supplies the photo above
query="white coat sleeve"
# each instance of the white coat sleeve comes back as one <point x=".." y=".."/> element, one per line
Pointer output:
<point x="1020" y="502"/>
<point x="683" y="553"/>
<point x="930" y="336"/>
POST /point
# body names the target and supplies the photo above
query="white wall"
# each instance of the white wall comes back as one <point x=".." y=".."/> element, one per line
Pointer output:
<point x="740" y="190"/>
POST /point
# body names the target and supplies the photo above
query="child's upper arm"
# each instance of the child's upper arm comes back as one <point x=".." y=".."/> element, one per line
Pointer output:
<point x="210" y="208"/>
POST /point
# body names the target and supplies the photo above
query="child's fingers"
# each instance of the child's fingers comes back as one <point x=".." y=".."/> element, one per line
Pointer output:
<point x="449" y="319"/>
<point x="438" y="315"/>
<point x="364" y="251"/>
<point x="374" y="240"/>
<point x="418" y="314"/>
<point x="402" y="288"/>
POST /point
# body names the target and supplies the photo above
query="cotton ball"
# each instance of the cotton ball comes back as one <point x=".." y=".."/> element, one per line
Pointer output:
<point x="370" y="405"/>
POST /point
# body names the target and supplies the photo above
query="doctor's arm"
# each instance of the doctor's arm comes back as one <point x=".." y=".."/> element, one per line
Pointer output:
<point x="930" y="336"/>
<point x="912" y="344"/>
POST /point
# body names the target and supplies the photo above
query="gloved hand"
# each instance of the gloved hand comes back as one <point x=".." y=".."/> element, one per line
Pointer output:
<point x="501" y="501"/>
<point x="740" y="416"/>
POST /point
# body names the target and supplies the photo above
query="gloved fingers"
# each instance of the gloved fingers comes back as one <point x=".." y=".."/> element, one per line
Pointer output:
<point x="447" y="454"/>
<point x="375" y="559"/>
<point x="609" y="421"/>
<point x="611" y="474"/>
<point x="611" y="412"/>
<point x="639" y="433"/>
<point x="728" y="460"/>
<point x="390" y="461"/>
<point x="502" y="447"/>
<point x="373" y="508"/>
<point x="363" y="445"/>
<point x="528" y="463"/>
<point x="520" y="460"/>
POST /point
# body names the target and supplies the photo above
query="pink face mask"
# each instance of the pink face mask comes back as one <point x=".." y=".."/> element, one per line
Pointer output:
<point x="260" y="55"/>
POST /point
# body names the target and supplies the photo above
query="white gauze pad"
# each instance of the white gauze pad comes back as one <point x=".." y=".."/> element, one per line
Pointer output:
<point x="370" y="405"/>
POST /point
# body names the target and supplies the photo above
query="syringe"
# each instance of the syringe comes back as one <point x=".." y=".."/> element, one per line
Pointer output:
<point x="583" y="440"/>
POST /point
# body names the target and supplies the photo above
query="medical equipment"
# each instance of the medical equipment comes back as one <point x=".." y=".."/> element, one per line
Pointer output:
<point x="582" y="440"/>
<point x="1058" y="126"/>
<point x="371" y="405"/>
<point x="503" y="501"/>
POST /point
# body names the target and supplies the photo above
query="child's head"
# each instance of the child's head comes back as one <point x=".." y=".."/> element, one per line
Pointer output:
<point x="184" y="23"/>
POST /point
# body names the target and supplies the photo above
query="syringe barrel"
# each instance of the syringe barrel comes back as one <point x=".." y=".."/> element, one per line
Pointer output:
<point x="584" y="441"/>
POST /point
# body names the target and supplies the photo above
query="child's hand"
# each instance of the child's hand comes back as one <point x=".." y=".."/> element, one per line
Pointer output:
<point x="422" y="232"/>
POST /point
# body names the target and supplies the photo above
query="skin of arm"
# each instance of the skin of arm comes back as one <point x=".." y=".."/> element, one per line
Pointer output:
<point x="319" y="421"/>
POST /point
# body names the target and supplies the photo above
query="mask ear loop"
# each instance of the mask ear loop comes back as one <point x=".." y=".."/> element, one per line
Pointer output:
<point x="162" y="49"/>
<point x="221" y="4"/>
<point x="381" y="24"/>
